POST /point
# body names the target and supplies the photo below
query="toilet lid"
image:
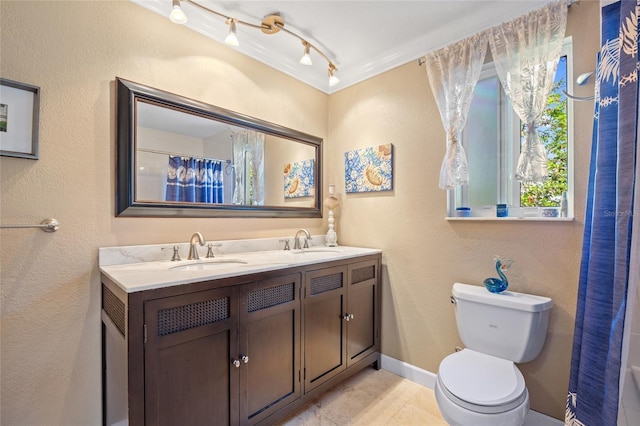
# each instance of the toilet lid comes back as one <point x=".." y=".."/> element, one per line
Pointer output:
<point x="481" y="382"/>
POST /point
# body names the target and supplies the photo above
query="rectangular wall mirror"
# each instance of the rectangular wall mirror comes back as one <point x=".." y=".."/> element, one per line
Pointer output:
<point x="178" y="157"/>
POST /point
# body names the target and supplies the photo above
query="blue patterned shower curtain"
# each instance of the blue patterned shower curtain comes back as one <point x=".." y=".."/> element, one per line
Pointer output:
<point x="604" y="272"/>
<point x="196" y="180"/>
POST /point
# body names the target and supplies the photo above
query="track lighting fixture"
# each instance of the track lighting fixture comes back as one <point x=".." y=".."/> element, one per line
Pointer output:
<point x="271" y="24"/>
<point x="306" y="58"/>
<point x="177" y="14"/>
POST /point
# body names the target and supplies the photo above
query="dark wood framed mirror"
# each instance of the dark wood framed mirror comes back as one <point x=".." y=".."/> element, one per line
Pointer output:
<point x="179" y="157"/>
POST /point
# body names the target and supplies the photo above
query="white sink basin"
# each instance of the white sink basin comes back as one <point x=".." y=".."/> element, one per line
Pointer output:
<point x="208" y="264"/>
<point x="316" y="250"/>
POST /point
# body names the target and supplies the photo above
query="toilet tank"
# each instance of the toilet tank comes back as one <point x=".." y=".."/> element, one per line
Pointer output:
<point x="508" y="325"/>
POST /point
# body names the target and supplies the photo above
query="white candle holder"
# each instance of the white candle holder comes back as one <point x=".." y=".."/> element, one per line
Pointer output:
<point x="331" y="202"/>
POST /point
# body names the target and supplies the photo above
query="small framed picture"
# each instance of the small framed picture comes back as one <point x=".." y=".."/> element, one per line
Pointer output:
<point x="19" y="119"/>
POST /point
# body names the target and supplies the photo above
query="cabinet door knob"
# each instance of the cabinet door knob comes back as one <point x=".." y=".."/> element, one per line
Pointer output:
<point x="347" y="317"/>
<point x="244" y="359"/>
<point x="236" y="363"/>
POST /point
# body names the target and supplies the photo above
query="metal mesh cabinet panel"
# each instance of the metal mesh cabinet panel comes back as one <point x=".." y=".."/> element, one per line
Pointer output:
<point x="326" y="283"/>
<point x="363" y="274"/>
<point x="267" y="297"/>
<point x="180" y="318"/>
<point x="114" y="308"/>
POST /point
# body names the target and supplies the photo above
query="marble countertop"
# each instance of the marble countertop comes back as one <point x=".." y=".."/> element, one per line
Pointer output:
<point x="146" y="275"/>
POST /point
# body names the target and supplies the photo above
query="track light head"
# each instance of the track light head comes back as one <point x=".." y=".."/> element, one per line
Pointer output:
<point x="306" y="58"/>
<point x="177" y="15"/>
<point x="333" y="80"/>
<point x="232" y="37"/>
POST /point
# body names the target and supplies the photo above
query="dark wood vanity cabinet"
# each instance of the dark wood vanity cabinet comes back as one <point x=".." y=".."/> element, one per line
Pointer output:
<point x="341" y="319"/>
<point x="244" y="350"/>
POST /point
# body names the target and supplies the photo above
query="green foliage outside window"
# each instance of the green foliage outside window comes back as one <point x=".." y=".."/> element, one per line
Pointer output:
<point x="553" y="133"/>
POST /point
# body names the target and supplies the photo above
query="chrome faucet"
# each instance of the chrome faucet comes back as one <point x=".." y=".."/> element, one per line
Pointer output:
<point x="193" y="251"/>
<point x="296" y="241"/>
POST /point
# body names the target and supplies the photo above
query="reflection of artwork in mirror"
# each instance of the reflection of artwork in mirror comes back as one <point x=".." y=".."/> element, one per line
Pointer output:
<point x="369" y="169"/>
<point x="181" y="157"/>
<point x="298" y="179"/>
<point x="4" y="114"/>
<point x="19" y="119"/>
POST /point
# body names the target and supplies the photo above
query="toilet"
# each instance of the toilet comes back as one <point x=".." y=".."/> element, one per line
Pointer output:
<point x="481" y="385"/>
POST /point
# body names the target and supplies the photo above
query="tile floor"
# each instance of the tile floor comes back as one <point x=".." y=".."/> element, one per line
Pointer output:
<point x="371" y="397"/>
<point x="629" y="413"/>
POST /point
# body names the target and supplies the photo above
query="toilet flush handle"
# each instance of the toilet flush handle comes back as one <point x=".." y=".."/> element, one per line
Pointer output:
<point x="453" y="300"/>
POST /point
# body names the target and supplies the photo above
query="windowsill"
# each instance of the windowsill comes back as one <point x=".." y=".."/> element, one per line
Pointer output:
<point x="511" y="219"/>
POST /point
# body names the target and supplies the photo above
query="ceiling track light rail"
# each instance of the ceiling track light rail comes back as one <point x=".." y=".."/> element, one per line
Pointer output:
<point x="271" y="24"/>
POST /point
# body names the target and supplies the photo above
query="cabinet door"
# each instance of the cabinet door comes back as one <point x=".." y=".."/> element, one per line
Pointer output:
<point x="324" y="325"/>
<point x="189" y="375"/>
<point x="363" y="293"/>
<point x="270" y="341"/>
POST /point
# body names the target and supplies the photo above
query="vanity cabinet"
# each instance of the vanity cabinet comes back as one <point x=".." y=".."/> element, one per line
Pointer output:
<point x="241" y="350"/>
<point x="341" y="319"/>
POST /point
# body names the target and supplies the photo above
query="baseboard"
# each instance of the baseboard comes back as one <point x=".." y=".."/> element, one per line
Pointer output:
<point x="408" y="371"/>
<point x="428" y="379"/>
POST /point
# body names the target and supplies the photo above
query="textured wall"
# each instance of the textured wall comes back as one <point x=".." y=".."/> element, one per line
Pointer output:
<point x="424" y="254"/>
<point x="49" y="285"/>
<point x="50" y="298"/>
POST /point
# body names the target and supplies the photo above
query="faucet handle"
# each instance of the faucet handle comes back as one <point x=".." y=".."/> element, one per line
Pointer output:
<point x="210" y="247"/>
<point x="176" y="253"/>
<point x="286" y="244"/>
<point x="306" y="242"/>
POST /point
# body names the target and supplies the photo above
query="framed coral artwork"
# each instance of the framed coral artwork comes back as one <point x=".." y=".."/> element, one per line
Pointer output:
<point x="298" y="179"/>
<point x="369" y="169"/>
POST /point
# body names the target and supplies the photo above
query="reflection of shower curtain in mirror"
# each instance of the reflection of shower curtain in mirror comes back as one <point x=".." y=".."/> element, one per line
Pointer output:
<point x="248" y="159"/>
<point x="196" y="180"/>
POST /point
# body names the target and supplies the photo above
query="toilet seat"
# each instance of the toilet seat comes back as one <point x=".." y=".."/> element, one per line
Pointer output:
<point x="481" y="383"/>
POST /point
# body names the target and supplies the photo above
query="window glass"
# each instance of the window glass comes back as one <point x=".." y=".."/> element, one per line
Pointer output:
<point x="492" y="139"/>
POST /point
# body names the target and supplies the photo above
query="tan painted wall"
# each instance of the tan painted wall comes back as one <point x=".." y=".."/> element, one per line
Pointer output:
<point x="50" y="298"/>
<point x="424" y="254"/>
<point x="49" y="285"/>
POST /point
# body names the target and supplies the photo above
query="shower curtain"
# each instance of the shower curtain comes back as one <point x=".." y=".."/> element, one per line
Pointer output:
<point x="594" y="386"/>
<point x="195" y="180"/>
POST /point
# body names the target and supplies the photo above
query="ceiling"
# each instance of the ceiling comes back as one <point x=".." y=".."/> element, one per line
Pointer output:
<point x="362" y="37"/>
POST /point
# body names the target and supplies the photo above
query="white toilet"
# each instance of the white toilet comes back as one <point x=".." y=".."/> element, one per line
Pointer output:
<point x="481" y="385"/>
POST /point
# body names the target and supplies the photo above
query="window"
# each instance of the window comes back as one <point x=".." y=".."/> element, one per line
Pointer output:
<point x="492" y="139"/>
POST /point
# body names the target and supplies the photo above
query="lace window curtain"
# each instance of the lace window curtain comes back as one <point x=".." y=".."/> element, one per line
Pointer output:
<point x="526" y="52"/>
<point x="248" y="158"/>
<point x="453" y="73"/>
